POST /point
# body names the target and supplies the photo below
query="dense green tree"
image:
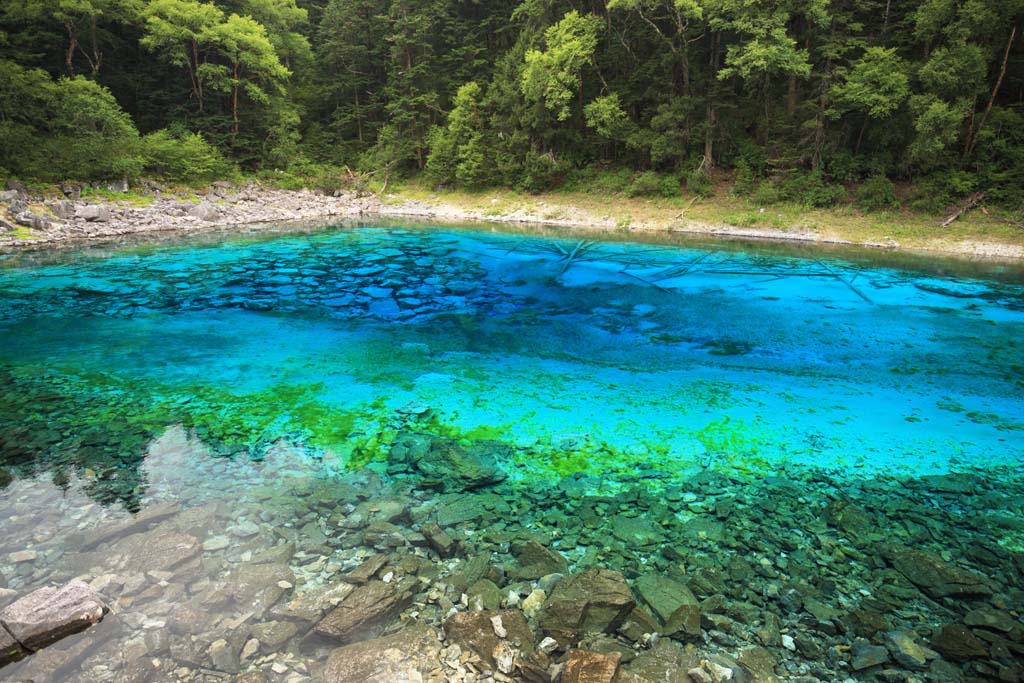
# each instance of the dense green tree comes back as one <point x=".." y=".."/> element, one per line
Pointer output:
<point x="797" y="95"/>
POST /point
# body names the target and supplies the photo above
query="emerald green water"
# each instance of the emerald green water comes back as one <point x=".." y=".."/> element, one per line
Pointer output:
<point x="608" y="358"/>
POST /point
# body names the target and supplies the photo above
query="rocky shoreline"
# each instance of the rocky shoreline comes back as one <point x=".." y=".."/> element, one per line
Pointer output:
<point x="28" y="219"/>
<point x="435" y="568"/>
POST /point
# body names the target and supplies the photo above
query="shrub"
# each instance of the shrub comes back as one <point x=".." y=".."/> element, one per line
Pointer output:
<point x="186" y="157"/>
<point x="744" y="183"/>
<point x="597" y="180"/>
<point x="539" y="172"/>
<point x="646" y="184"/>
<point x="811" y="190"/>
<point x="699" y="183"/>
<point x="877" y="193"/>
<point x="767" y="193"/>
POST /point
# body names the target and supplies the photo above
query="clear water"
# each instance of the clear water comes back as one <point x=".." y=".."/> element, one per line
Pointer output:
<point x="183" y="370"/>
<point x="613" y="356"/>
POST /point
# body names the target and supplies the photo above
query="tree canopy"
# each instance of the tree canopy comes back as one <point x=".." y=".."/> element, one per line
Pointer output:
<point x="524" y="94"/>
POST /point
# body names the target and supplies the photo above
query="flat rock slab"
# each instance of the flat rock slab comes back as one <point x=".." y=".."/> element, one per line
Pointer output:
<point x="140" y="522"/>
<point x="49" y="614"/>
<point x="584" y="666"/>
<point x="936" y="577"/>
<point x="409" y="655"/>
<point x="673" y="603"/>
<point x="366" y="610"/>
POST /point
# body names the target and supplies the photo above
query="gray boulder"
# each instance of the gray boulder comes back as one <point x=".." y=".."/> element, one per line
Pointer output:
<point x="204" y="211"/>
<point x="49" y="614"/>
<point x="93" y="213"/>
<point x="63" y="209"/>
<point x="32" y="220"/>
<point x="10" y="195"/>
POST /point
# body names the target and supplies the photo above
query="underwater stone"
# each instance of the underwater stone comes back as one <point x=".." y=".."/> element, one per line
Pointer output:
<point x="986" y="617"/>
<point x="957" y="642"/>
<point x="596" y="601"/>
<point x="636" y="531"/>
<point x="585" y="666"/>
<point x="49" y="614"/>
<point x="907" y="652"/>
<point x="445" y="461"/>
<point x="934" y="576"/>
<point x="536" y="561"/>
<point x="10" y="649"/>
<point x="366" y="570"/>
<point x="139" y="522"/>
<point x="672" y="602"/>
<point x="484" y="595"/>
<point x="474" y="631"/>
<point x="409" y="655"/>
<point x="666" y="661"/>
<point x="442" y="544"/>
<point x="366" y="610"/>
<point x="272" y="635"/>
<point x="459" y="509"/>
<point x="866" y="656"/>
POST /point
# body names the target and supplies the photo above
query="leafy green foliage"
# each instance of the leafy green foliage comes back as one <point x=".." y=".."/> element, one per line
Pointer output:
<point x="811" y="190"/>
<point x="877" y="193"/>
<point x="185" y="157"/>
<point x="553" y="76"/>
<point x="524" y="93"/>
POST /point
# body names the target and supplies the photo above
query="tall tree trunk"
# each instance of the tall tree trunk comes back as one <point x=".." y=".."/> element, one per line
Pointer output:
<point x="995" y="89"/>
<point x="69" y="56"/>
<point x="97" y="55"/>
<point x="234" y="107"/>
<point x="197" y="82"/>
<point x="359" y="119"/>
<point x="709" y="109"/>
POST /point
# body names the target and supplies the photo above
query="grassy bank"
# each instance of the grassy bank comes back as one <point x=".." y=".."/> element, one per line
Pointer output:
<point x="984" y="230"/>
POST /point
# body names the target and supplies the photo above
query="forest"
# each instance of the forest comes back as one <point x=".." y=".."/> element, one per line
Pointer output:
<point x="805" y="100"/>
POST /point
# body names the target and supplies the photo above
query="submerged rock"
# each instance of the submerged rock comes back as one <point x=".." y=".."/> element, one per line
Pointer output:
<point x="492" y="636"/>
<point x="366" y="610"/>
<point x="409" y="655"/>
<point x="10" y="649"/>
<point x="536" y="560"/>
<point x="936" y="577"/>
<point x="673" y="603"/>
<point x="584" y="666"/>
<point x="49" y="614"/>
<point x="957" y="642"/>
<point x="596" y="601"/>
<point x="445" y="461"/>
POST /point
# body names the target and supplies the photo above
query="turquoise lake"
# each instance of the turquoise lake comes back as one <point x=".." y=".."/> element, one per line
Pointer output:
<point x="609" y="358"/>
<point x="265" y="447"/>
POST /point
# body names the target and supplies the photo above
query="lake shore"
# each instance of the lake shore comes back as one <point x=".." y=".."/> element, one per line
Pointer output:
<point x="32" y="219"/>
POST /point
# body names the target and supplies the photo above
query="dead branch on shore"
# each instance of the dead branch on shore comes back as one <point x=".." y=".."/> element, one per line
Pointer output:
<point x="962" y="208"/>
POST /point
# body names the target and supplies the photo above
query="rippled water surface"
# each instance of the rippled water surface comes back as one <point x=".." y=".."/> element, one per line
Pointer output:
<point x="252" y="366"/>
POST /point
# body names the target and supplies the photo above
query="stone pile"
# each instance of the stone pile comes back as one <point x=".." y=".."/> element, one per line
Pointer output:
<point x="417" y="574"/>
<point x="69" y="216"/>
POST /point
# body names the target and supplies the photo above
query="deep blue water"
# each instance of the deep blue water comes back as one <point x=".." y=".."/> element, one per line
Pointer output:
<point x="608" y="357"/>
